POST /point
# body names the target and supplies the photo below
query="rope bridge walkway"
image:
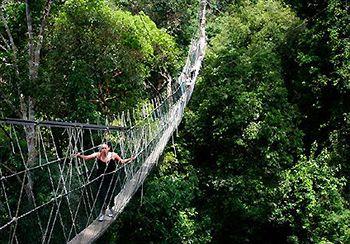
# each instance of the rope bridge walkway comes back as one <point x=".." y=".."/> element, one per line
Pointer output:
<point x="54" y="198"/>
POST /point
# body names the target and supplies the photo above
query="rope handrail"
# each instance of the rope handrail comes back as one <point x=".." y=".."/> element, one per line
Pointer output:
<point x="2" y="178"/>
<point x="75" y="187"/>
<point x="62" y="124"/>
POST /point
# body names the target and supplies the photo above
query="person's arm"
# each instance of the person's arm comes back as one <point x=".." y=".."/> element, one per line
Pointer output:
<point x="87" y="157"/>
<point x="123" y="161"/>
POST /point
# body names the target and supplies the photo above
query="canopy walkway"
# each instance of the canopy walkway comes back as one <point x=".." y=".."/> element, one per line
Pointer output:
<point x="54" y="197"/>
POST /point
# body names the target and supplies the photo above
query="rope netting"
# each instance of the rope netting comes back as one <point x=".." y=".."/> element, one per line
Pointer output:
<point x="47" y="194"/>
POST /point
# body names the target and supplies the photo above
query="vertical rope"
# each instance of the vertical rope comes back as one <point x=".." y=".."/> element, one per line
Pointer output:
<point x="6" y="198"/>
<point x="151" y="130"/>
<point x="28" y="178"/>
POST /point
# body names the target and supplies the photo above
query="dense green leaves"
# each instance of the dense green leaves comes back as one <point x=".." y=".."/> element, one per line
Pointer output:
<point x="178" y="17"/>
<point x="245" y="126"/>
<point x="254" y="114"/>
<point x="311" y="202"/>
<point x="99" y="57"/>
<point x="263" y="155"/>
<point x="167" y="211"/>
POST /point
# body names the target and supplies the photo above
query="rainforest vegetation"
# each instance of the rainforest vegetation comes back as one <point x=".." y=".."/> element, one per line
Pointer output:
<point x="262" y="154"/>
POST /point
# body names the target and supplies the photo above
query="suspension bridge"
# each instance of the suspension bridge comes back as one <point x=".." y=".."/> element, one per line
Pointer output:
<point x="53" y="199"/>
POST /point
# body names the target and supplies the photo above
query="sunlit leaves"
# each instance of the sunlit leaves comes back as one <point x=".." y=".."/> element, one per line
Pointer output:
<point x="98" y="58"/>
<point x="311" y="202"/>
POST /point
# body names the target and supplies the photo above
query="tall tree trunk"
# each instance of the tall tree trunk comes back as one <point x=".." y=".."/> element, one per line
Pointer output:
<point x="27" y="110"/>
<point x="27" y="103"/>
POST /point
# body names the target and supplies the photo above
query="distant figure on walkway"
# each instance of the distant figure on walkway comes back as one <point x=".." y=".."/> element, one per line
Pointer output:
<point x="107" y="163"/>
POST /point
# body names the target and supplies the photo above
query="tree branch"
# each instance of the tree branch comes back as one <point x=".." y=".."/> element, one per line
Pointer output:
<point x="41" y="31"/>
<point x="14" y="55"/>
<point x="30" y="41"/>
<point x="3" y="48"/>
<point x="168" y="80"/>
<point x="5" y="41"/>
<point x="7" y="29"/>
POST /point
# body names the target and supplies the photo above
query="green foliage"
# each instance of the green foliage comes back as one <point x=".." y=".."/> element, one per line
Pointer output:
<point x="248" y="121"/>
<point x="243" y="128"/>
<point x="244" y="69"/>
<point x="311" y="202"/>
<point x="317" y="74"/>
<point x="98" y="58"/>
<point x="178" y="17"/>
<point x="317" y="68"/>
<point x="188" y="230"/>
<point x="166" y="213"/>
<point x="271" y="87"/>
<point x="14" y="68"/>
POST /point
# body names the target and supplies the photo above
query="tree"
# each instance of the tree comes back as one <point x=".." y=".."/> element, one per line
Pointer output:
<point x="311" y="203"/>
<point x="88" y="58"/>
<point x="243" y="129"/>
<point x="15" y="82"/>
<point x="317" y="73"/>
<point x="166" y="211"/>
<point x="99" y="58"/>
<point x="178" y="17"/>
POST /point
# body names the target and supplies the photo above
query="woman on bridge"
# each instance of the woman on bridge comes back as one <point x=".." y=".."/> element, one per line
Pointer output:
<point x="106" y="165"/>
